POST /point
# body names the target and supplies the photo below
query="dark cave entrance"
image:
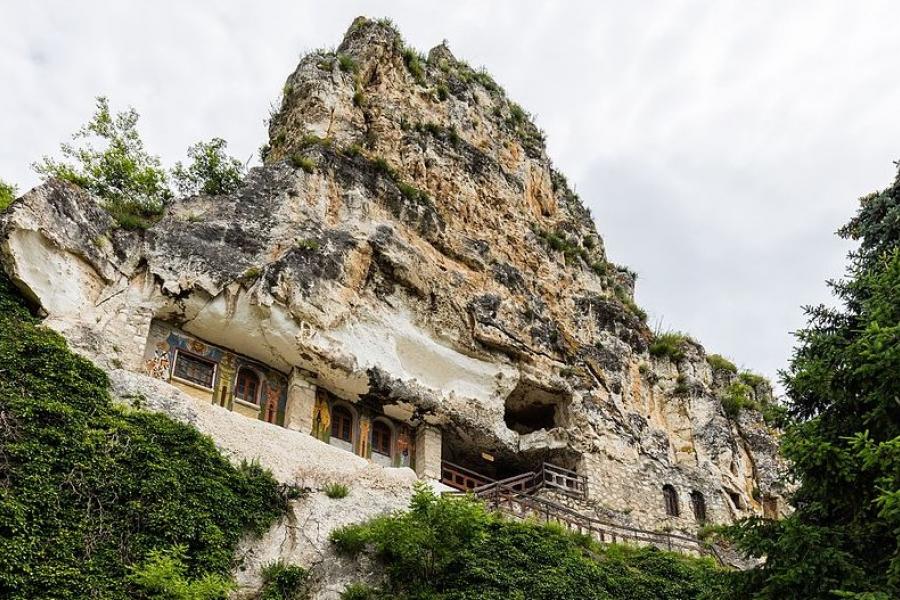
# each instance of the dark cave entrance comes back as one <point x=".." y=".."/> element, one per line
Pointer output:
<point x="530" y="408"/>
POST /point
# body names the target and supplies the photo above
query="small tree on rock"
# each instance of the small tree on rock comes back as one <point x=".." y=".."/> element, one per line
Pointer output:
<point x="131" y="182"/>
<point x="211" y="170"/>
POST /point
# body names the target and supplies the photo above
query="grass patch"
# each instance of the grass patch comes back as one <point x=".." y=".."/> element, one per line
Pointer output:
<point x="133" y="215"/>
<point x="737" y="397"/>
<point x="717" y="362"/>
<point x="336" y="491"/>
<point x="299" y="161"/>
<point x="308" y="244"/>
<point x="669" y="345"/>
<point x="347" y="64"/>
<point x="754" y="380"/>
<point x="415" y="64"/>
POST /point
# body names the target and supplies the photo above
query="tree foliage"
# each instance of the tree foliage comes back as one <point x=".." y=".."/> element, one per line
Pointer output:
<point x="7" y="194"/>
<point x="453" y="548"/>
<point x="107" y="157"/>
<point x="844" y="389"/>
<point x="89" y="489"/>
<point x="211" y="171"/>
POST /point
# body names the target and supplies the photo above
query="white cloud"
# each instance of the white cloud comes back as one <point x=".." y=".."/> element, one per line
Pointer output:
<point x="719" y="145"/>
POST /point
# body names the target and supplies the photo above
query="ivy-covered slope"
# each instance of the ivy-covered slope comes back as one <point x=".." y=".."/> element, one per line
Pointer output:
<point x="88" y="489"/>
<point x="451" y="548"/>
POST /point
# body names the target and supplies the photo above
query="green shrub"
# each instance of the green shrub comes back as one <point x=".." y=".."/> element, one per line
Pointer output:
<point x="415" y="64"/>
<point x="681" y="386"/>
<point x="754" y="380"/>
<point x="669" y="345"/>
<point x="211" y="171"/>
<point x="165" y="576"/>
<point x="359" y="591"/>
<point x="131" y="183"/>
<point x="7" y="194"/>
<point x="737" y="397"/>
<point x="628" y="302"/>
<point x="359" y="98"/>
<point x="309" y="140"/>
<point x="308" y="244"/>
<point x="451" y="547"/>
<point x="347" y="64"/>
<point x="90" y="488"/>
<point x="442" y="91"/>
<point x="281" y="581"/>
<point x="336" y="491"/>
<point x="719" y="363"/>
<point x="306" y="163"/>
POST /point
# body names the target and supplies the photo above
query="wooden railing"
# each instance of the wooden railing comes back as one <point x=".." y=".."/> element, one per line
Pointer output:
<point x="564" y="480"/>
<point x="515" y="497"/>
<point x="461" y="478"/>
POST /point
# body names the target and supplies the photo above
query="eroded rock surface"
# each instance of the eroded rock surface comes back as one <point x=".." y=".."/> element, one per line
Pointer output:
<point x="408" y="241"/>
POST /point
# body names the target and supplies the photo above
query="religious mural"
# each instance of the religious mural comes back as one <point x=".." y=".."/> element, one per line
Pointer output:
<point x="203" y="370"/>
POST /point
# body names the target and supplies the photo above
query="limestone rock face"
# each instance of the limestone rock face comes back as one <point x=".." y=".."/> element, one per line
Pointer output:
<point x="408" y="241"/>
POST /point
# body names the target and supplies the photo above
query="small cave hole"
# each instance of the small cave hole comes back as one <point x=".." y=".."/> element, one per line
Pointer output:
<point x="530" y="408"/>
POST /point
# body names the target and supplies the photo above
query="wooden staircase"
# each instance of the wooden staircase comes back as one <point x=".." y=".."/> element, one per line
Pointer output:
<point x="516" y="497"/>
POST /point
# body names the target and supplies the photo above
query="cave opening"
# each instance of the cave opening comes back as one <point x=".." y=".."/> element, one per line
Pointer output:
<point x="530" y="408"/>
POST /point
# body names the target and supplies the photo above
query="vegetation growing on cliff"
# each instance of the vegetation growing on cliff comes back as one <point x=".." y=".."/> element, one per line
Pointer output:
<point x="446" y="547"/>
<point x="103" y="501"/>
<point x="7" y="194"/>
<point x="844" y="439"/>
<point x="211" y="171"/>
<point x="107" y="158"/>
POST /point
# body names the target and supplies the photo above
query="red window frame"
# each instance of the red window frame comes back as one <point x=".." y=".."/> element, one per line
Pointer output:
<point x="342" y="423"/>
<point x="381" y="438"/>
<point x="247" y="377"/>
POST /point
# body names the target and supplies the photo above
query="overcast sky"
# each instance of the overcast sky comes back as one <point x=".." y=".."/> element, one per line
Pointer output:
<point x="718" y="144"/>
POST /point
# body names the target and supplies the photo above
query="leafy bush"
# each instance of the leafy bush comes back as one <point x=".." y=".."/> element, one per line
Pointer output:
<point x="7" y="194"/>
<point x="359" y="591"/>
<point x="303" y="162"/>
<point x="719" y="363"/>
<point x="452" y="548"/>
<point x="88" y="488"/>
<point x="682" y="388"/>
<point x="308" y="244"/>
<point x="737" y="397"/>
<point x="415" y="64"/>
<point x="336" y="491"/>
<point x="754" y="380"/>
<point x="347" y="64"/>
<point x="211" y="171"/>
<point x="131" y="182"/>
<point x="164" y="576"/>
<point x="669" y="345"/>
<point x="283" y="582"/>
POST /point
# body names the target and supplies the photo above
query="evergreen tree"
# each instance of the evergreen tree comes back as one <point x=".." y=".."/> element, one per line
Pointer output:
<point x="843" y="540"/>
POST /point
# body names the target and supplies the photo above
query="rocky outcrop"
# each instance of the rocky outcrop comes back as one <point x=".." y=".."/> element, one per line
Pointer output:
<point x="408" y="241"/>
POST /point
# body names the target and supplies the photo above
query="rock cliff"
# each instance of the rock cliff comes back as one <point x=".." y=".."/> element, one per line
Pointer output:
<point x="408" y="244"/>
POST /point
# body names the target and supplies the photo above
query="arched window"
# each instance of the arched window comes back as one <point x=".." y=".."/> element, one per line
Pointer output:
<point x="342" y="423"/>
<point x="381" y="438"/>
<point x="247" y="387"/>
<point x="698" y="504"/>
<point x="671" y="499"/>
